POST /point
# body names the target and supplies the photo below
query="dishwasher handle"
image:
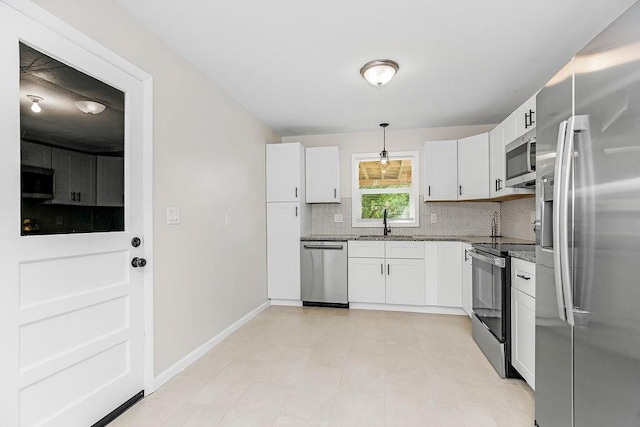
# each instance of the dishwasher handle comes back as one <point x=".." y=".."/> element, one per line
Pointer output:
<point x="334" y="247"/>
<point x="497" y="261"/>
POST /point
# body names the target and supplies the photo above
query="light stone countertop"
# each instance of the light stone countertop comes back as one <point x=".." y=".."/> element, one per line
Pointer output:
<point x="417" y="238"/>
<point x="524" y="255"/>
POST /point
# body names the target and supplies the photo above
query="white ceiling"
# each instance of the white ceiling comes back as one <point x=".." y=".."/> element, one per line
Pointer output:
<point x="295" y="64"/>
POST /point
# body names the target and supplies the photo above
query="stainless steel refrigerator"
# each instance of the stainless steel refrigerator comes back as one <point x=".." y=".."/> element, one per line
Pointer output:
<point x="588" y="241"/>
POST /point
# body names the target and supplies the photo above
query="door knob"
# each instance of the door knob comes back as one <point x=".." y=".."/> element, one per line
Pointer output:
<point x="138" y="262"/>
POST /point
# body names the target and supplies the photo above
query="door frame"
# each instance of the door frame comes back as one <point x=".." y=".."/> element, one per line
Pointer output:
<point x="65" y="30"/>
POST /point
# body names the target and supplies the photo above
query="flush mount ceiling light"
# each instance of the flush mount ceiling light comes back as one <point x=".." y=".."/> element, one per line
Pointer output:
<point x="35" y="107"/>
<point x="379" y="72"/>
<point x="90" y="107"/>
<point x="384" y="154"/>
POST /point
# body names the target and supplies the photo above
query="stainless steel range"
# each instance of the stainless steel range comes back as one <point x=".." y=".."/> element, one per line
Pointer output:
<point x="491" y="305"/>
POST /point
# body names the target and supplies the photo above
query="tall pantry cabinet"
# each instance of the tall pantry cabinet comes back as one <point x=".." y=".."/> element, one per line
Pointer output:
<point x="288" y="219"/>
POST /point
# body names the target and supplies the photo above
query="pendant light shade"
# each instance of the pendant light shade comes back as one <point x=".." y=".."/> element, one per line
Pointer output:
<point x="380" y="71"/>
<point x="384" y="154"/>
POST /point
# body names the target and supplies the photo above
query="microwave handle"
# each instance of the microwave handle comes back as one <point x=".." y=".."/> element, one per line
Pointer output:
<point x="529" y="165"/>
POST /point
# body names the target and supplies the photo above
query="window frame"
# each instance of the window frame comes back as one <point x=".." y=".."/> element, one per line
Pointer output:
<point x="414" y="191"/>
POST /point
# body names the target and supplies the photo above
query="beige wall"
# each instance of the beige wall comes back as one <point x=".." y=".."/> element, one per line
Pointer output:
<point x="371" y="142"/>
<point x="208" y="160"/>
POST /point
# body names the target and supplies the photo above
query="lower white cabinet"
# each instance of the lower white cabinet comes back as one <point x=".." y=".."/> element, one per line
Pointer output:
<point x="405" y="281"/>
<point x="523" y="319"/>
<point x="367" y="280"/>
<point x="283" y="250"/>
<point x="376" y="277"/>
<point x="467" y="285"/>
<point x="450" y="274"/>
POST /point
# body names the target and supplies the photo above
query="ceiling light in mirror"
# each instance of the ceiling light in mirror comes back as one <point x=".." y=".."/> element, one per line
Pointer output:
<point x="90" y="107"/>
<point x="35" y="107"/>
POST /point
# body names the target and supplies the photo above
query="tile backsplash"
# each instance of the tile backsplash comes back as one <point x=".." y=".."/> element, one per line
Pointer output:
<point x="453" y="219"/>
<point x="516" y="218"/>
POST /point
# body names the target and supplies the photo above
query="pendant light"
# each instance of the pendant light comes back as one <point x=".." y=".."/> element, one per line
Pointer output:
<point x="35" y="107"/>
<point x="384" y="154"/>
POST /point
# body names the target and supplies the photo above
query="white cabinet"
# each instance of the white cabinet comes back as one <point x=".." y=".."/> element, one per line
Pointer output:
<point x="441" y="170"/>
<point x="405" y="273"/>
<point x="74" y="177"/>
<point x="457" y="170"/>
<point x="449" y="274"/>
<point x="35" y="155"/>
<point x="389" y="272"/>
<point x="285" y="172"/>
<point x="109" y="181"/>
<point x="367" y="282"/>
<point x="497" y="163"/>
<point x="473" y="167"/>
<point x="322" y="175"/>
<point x="521" y="121"/>
<point x="287" y="219"/>
<point x="523" y="319"/>
<point x="431" y="273"/>
<point x="283" y="250"/>
<point x="467" y="284"/>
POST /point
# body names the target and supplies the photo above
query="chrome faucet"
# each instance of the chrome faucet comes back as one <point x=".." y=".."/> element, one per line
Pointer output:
<point x="387" y="229"/>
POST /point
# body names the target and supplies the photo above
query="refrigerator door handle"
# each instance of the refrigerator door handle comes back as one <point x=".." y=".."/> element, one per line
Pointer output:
<point x="557" y="213"/>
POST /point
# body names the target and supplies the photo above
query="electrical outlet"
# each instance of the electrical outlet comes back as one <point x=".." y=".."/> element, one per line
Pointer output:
<point x="173" y="216"/>
<point x="337" y="218"/>
<point x="533" y="217"/>
<point x="434" y="218"/>
<point x="227" y="219"/>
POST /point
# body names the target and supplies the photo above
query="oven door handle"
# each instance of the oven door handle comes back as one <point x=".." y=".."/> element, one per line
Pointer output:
<point x="497" y="261"/>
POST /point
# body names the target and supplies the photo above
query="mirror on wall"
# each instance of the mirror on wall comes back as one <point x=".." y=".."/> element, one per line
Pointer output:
<point x="72" y="149"/>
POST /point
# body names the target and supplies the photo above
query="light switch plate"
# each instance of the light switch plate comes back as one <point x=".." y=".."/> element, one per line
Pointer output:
<point x="227" y="219"/>
<point x="434" y="218"/>
<point x="337" y="218"/>
<point x="173" y="216"/>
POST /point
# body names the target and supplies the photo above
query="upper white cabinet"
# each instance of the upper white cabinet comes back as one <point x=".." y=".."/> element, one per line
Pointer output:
<point x="35" y="155"/>
<point x="473" y="167"/>
<point x="322" y="175"/>
<point x="497" y="174"/>
<point x="441" y="170"/>
<point x="75" y="177"/>
<point x="521" y="121"/>
<point x="285" y="172"/>
<point x="109" y="181"/>
<point x="457" y="170"/>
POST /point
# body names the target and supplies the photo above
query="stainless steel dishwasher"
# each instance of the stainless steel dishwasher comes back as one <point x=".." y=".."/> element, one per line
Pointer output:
<point x="323" y="273"/>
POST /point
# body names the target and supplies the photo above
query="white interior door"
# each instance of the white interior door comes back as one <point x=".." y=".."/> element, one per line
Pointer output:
<point x="71" y="305"/>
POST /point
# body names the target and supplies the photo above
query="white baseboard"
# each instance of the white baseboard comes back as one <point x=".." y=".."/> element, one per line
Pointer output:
<point x="196" y="354"/>
<point x="287" y="302"/>
<point x="427" y="309"/>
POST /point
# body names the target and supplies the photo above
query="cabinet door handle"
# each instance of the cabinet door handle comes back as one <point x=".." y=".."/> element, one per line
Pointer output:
<point x="531" y="121"/>
<point x="73" y="196"/>
<point x="522" y="276"/>
<point x="296" y="211"/>
<point x="460" y="189"/>
<point x="296" y="192"/>
<point x="79" y="195"/>
<point x="526" y="120"/>
<point x="335" y="193"/>
<point x="429" y="191"/>
<point x="388" y="271"/>
<point x="496" y="186"/>
<point x="382" y="269"/>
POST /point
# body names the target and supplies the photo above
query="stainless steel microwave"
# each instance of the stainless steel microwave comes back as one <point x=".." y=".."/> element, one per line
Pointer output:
<point x="521" y="161"/>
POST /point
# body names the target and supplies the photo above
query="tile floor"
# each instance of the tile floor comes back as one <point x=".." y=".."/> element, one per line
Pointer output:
<point x="328" y="367"/>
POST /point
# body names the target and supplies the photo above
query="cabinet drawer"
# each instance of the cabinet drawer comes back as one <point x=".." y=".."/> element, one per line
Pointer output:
<point x="406" y="250"/>
<point x="366" y="249"/>
<point x="523" y="276"/>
